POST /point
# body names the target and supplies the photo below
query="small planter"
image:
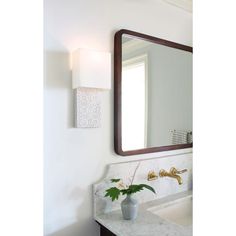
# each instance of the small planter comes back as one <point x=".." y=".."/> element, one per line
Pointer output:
<point x="129" y="208"/>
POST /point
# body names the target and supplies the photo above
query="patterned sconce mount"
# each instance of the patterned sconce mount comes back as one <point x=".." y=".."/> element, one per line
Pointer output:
<point x="88" y="107"/>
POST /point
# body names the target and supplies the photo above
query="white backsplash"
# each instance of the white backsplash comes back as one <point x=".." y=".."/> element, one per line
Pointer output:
<point x="164" y="186"/>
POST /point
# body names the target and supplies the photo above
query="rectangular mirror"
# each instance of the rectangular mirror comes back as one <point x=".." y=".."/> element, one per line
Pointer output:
<point x="153" y="94"/>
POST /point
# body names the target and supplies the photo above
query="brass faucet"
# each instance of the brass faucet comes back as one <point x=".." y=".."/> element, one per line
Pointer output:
<point x="173" y="173"/>
<point x="152" y="175"/>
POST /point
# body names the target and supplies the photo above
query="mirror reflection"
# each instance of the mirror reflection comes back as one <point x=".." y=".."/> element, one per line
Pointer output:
<point x="156" y="95"/>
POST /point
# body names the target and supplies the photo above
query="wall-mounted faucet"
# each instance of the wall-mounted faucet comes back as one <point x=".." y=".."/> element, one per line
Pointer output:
<point x="173" y="173"/>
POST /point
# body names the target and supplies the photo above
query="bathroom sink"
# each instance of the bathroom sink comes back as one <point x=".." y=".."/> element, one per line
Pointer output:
<point x="178" y="211"/>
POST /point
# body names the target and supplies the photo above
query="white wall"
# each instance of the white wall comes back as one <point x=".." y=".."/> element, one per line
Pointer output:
<point x="76" y="158"/>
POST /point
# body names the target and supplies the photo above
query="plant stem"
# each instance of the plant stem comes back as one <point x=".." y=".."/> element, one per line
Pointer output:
<point x="135" y="172"/>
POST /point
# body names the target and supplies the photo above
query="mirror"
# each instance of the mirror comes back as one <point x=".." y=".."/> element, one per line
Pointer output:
<point x="153" y="94"/>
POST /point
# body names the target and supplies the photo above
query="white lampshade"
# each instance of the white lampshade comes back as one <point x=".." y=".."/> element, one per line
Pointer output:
<point x="91" y="69"/>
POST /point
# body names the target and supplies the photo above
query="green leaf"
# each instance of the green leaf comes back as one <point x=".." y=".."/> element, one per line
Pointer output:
<point x="113" y="193"/>
<point x="136" y="188"/>
<point x="115" y="180"/>
<point x="148" y="187"/>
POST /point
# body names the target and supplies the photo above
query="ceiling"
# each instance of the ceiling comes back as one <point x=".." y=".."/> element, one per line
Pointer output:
<point x="184" y="4"/>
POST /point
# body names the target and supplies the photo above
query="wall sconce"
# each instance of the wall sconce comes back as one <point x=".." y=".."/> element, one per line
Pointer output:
<point x="91" y="74"/>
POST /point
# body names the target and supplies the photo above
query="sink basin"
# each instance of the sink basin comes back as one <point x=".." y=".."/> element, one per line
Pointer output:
<point x="178" y="211"/>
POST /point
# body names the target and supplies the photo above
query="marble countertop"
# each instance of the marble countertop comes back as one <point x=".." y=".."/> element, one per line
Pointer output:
<point x="147" y="223"/>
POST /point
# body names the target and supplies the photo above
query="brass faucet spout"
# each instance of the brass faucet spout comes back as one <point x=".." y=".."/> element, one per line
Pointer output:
<point x="179" y="179"/>
<point x="173" y="174"/>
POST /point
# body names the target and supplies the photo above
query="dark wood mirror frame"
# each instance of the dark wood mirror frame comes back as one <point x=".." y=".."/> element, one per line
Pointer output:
<point x="117" y="91"/>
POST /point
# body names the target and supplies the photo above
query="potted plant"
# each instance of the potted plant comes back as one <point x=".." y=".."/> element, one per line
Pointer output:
<point x="129" y="206"/>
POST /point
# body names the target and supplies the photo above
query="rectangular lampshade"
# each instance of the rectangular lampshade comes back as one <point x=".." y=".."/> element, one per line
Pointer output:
<point x="91" y="69"/>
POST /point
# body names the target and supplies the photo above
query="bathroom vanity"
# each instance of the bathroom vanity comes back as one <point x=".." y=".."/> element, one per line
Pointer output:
<point x="170" y="216"/>
<point x="104" y="231"/>
<point x="169" y="212"/>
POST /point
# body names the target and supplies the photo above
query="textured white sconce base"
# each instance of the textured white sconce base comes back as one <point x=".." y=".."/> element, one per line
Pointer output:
<point x="88" y="108"/>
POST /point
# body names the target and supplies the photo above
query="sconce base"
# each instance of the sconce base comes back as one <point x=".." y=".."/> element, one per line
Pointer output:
<point x="87" y="108"/>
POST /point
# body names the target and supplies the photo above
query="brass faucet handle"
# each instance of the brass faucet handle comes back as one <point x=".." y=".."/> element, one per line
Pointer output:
<point x="174" y="171"/>
<point x="152" y="175"/>
<point x="163" y="173"/>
